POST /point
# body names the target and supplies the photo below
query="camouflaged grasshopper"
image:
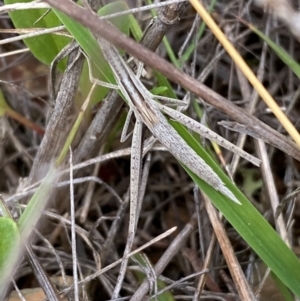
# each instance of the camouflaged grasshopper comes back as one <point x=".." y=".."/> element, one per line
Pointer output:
<point x="148" y="111"/>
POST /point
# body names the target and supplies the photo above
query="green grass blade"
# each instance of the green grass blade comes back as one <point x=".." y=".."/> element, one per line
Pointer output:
<point x="135" y="28"/>
<point x="248" y="222"/>
<point x="36" y="205"/>
<point x="9" y="241"/>
<point x="282" y="54"/>
<point x="287" y="296"/>
<point x="90" y="45"/>
<point x="20" y="232"/>
<point x="9" y="250"/>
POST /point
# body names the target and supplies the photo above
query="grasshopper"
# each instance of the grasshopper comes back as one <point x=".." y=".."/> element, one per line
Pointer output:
<point x="148" y="111"/>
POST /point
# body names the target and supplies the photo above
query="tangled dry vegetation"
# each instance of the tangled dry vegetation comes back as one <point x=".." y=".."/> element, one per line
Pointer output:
<point x="101" y="193"/>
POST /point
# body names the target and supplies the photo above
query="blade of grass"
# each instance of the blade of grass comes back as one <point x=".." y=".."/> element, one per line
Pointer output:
<point x="282" y="54"/>
<point x="248" y="222"/>
<point x="26" y="223"/>
<point x="9" y="241"/>
<point x="89" y="44"/>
